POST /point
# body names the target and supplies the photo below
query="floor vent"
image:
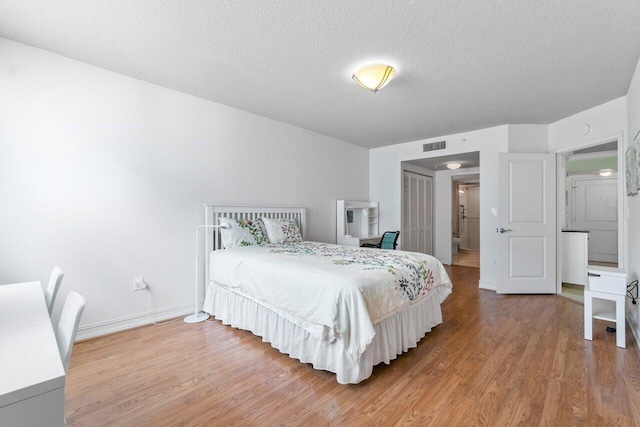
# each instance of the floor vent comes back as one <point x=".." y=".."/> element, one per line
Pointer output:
<point x="438" y="145"/>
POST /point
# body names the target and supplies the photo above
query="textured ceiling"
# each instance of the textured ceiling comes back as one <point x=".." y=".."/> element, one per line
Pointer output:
<point x="462" y="65"/>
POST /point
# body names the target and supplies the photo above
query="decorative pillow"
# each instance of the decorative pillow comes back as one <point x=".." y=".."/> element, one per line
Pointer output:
<point x="243" y="233"/>
<point x="282" y="230"/>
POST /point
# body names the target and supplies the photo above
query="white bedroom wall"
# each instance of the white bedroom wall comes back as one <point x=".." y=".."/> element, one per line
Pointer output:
<point x="528" y="139"/>
<point x="633" y="212"/>
<point x="605" y="120"/>
<point x="385" y="184"/>
<point x="106" y="175"/>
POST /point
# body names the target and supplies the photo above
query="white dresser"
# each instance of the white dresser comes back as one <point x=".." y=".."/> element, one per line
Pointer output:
<point x="31" y="373"/>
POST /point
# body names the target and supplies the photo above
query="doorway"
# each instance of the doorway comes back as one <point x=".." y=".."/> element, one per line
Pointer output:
<point x="591" y="187"/>
<point x="465" y="250"/>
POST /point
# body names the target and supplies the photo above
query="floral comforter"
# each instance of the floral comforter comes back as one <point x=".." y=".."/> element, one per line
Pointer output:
<point x="334" y="292"/>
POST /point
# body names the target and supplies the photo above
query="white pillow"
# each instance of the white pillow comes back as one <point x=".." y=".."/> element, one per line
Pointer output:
<point x="282" y="230"/>
<point x="242" y="233"/>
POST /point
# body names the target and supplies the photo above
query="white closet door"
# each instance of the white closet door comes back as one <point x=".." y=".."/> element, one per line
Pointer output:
<point x="406" y="212"/>
<point x="417" y="229"/>
<point x="421" y="220"/>
<point x="428" y="216"/>
<point x="413" y="212"/>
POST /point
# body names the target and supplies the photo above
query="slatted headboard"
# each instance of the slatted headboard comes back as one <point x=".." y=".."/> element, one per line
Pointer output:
<point x="213" y="213"/>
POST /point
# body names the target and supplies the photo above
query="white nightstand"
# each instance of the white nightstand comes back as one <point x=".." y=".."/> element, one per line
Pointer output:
<point x="604" y="299"/>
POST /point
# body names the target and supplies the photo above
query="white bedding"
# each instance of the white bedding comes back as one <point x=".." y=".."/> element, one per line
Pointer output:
<point x="333" y="292"/>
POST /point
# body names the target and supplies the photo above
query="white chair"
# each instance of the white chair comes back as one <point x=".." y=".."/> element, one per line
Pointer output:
<point x="68" y="325"/>
<point x="52" y="289"/>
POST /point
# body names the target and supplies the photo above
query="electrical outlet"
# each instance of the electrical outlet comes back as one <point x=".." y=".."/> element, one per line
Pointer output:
<point x="495" y="261"/>
<point x="139" y="284"/>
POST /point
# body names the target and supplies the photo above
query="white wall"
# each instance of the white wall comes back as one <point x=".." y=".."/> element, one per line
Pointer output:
<point x="633" y="121"/>
<point x="106" y="175"/>
<point x="386" y="179"/>
<point x="605" y="121"/>
<point x="528" y="139"/>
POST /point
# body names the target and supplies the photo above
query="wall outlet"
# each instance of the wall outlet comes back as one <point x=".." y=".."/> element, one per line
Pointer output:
<point x="139" y="284"/>
<point x="495" y="261"/>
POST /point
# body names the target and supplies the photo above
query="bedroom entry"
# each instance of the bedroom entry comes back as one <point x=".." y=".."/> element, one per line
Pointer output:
<point x="591" y="204"/>
<point x="590" y="212"/>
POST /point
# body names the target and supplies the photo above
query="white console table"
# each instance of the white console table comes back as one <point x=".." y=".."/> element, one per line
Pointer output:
<point x="604" y="299"/>
<point x="31" y="373"/>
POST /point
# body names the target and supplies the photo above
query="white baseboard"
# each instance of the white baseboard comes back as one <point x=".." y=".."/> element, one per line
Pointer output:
<point x="116" y="325"/>
<point x="635" y="329"/>
<point x="484" y="284"/>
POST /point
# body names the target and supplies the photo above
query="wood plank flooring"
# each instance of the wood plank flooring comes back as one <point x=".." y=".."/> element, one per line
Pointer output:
<point x="495" y="360"/>
<point x="466" y="258"/>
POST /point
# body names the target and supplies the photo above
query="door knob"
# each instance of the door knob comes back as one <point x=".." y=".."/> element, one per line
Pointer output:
<point x="502" y="230"/>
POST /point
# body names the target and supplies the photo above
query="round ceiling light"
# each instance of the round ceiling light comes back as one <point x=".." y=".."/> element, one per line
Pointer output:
<point x="453" y="165"/>
<point x="605" y="172"/>
<point x="374" y="77"/>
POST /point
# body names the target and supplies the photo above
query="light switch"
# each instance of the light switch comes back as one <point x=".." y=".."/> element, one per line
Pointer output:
<point x="494" y="211"/>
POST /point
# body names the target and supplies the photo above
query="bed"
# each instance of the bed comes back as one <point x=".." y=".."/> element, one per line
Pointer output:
<point x="341" y="309"/>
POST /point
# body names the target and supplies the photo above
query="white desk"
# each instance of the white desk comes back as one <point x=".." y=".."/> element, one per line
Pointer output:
<point x="31" y="373"/>
<point x="357" y="241"/>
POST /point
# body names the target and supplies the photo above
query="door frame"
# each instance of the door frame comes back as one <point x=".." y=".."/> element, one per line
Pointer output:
<point x="622" y="199"/>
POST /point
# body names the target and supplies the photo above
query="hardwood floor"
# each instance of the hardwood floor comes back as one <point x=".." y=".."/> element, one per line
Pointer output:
<point x="466" y="258"/>
<point x="495" y="360"/>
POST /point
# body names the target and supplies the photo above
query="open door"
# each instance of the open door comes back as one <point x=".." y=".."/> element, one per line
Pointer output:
<point x="527" y="224"/>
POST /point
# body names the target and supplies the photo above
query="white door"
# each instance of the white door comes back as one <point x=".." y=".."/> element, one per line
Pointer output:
<point x="526" y="224"/>
<point x="417" y="221"/>
<point x="595" y="209"/>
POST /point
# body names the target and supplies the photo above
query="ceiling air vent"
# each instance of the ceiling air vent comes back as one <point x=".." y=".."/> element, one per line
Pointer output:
<point x="438" y="145"/>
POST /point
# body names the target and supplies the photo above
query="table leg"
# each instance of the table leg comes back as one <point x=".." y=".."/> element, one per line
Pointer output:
<point x="588" y="313"/>
<point x="620" y="323"/>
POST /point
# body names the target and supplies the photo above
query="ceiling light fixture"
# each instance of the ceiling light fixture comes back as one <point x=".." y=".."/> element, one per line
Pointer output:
<point x="374" y="77"/>
<point x="453" y="165"/>
<point x="605" y="172"/>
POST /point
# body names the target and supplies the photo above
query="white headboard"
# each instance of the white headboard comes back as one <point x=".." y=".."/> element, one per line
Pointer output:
<point x="213" y="213"/>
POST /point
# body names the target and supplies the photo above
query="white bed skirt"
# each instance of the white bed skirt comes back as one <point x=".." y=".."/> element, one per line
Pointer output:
<point x="394" y="335"/>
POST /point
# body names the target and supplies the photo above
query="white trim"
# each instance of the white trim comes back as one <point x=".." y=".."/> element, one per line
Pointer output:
<point x="635" y="331"/>
<point x="615" y="137"/>
<point x="488" y="285"/>
<point x="128" y="322"/>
